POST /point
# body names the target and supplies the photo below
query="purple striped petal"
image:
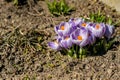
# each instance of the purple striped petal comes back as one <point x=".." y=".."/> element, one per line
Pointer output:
<point x="56" y="29"/>
<point x="66" y="42"/>
<point x="54" y="45"/>
<point x="80" y="37"/>
<point x="83" y="24"/>
<point x="63" y="29"/>
<point x="75" y="21"/>
<point x="97" y="29"/>
<point x="109" y="31"/>
<point x="91" y="38"/>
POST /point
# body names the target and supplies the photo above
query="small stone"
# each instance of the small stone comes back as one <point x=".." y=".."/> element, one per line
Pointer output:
<point x="40" y="69"/>
<point x="87" y="67"/>
<point x="109" y="71"/>
<point x="89" y="78"/>
<point x="103" y="65"/>
<point x="10" y="69"/>
<point x="17" y="60"/>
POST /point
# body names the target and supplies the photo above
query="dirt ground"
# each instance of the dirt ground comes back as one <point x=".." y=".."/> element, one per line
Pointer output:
<point x="47" y="64"/>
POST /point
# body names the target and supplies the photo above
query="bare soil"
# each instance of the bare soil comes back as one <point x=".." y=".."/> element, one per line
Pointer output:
<point x="47" y="64"/>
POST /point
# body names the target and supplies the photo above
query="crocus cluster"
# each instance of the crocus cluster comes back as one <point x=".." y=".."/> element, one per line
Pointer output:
<point x="79" y="32"/>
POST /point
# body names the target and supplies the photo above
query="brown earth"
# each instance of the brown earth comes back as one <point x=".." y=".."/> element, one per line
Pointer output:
<point x="47" y="64"/>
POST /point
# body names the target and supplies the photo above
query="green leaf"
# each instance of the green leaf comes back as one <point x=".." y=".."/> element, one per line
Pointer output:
<point x="70" y="53"/>
<point x="56" y="13"/>
<point x="15" y="2"/>
<point x="109" y="21"/>
<point x="58" y="8"/>
<point x="75" y="56"/>
<point x="82" y="52"/>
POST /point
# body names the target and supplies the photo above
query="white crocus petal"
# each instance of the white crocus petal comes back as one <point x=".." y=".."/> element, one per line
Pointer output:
<point x="54" y="45"/>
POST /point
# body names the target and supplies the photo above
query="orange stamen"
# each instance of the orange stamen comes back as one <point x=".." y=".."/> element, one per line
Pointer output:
<point x="83" y="24"/>
<point x="79" y="37"/>
<point x="66" y="38"/>
<point x="97" y="26"/>
<point x="62" y="27"/>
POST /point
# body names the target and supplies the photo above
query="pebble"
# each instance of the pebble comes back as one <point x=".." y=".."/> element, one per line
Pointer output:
<point x="103" y="65"/>
<point x="109" y="71"/>
<point x="40" y="69"/>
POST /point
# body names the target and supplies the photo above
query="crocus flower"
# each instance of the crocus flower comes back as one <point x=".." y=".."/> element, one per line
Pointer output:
<point x="63" y="29"/>
<point x="55" y="45"/>
<point x="80" y="37"/>
<point x="97" y="29"/>
<point x="109" y="31"/>
<point x="83" y="24"/>
<point x="66" y="42"/>
<point x="91" y="38"/>
<point x="76" y="21"/>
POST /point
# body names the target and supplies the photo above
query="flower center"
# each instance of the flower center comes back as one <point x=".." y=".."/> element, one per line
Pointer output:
<point x="79" y="37"/>
<point x="97" y="26"/>
<point x="83" y="24"/>
<point x="67" y="38"/>
<point x="62" y="28"/>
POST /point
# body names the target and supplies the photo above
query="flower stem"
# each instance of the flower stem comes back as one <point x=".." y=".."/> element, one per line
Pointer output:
<point x="73" y="48"/>
<point x="80" y="52"/>
<point x="77" y="51"/>
<point x="65" y="51"/>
